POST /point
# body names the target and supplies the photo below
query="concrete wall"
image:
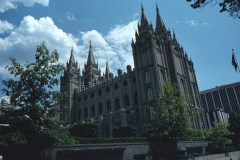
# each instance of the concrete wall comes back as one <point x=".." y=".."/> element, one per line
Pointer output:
<point x="129" y="149"/>
<point x="221" y="156"/>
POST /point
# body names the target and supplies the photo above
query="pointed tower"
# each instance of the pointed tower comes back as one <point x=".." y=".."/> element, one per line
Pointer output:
<point x="70" y="81"/>
<point x="145" y="27"/>
<point x="107" y="71"/>
<point x="91" y="72"/>
<point x="160" y="26"/>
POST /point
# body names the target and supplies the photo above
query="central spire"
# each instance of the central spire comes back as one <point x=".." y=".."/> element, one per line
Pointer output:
<point x="91" y="59"/>
<point x="72" y="57"/>
<point x="144" y="20"/>
<point x="159" y="22"/>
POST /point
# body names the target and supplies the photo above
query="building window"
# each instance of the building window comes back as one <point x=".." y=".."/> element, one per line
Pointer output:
<point x="86" y="113"/>
<point x="79" y="114"/>
<point x="100" y="108"/>
<point x="107" y="89"/>
<point x="116" y="86"/>
<point x="151" y="113"/>
<point x="163" y="75"/>
<point x="149" y="93"/>
<point x="125" y="83"/>
<point x="136" y="98"/>
<point x="79" y="100"/>
<point x="147" y="77"/>
<point x="134" y="80"/>
<point x="85" y="97"/>
<point x="109" y="106"/>
<point x="117" y="103"/>
<point x="93" y="111"/>
<point x="92" y="95"/>
<point x="99" y="92"/>
<point x="126" y="100"/>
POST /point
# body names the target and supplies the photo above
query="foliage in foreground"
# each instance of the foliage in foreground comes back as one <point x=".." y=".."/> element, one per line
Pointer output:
<point x="234" y="127"/>
<point x="124" y="131"/>
<point x="31" y="92"/>
<point x="86" y="130"/>
<point x="172" y="113"/>
<point x="230" y="6"/>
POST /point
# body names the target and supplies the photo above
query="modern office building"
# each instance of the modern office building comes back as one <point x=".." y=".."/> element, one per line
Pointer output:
<point x="218" y="102"/>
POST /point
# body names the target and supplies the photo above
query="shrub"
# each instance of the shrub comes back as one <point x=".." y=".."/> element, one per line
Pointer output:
<point x="86" y="130"/>
<point x="124" y="131"/>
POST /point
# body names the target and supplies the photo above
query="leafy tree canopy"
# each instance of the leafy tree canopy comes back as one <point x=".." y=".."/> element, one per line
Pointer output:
<point x="172" y="113"/>
<point x="230" y="6"/>
<point x="31" y="93"/>
<point x="124" y="131"/>
<point x="86" y="130"/>
<point x="234" y="127"/>
<point x="218" y="133"/>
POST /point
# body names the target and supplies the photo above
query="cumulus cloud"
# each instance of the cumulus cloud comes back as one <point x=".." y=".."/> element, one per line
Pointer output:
<point x="192" y="22"/>
<point x="114" y="47"/>
<point x="12" y="4"/>
<point x="70" y="16"/>
<point x="5" y="26"/>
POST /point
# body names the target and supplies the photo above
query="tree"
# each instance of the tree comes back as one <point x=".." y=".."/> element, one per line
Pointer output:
<point x="31" y="93"/>
<point x="230" y="6"/>
<point x="171" y="112"/>
<point x="234" y="127"/>
<point x="124" y="131"/>
<point x="87" y="130"/>
<point x="218" y="134"/>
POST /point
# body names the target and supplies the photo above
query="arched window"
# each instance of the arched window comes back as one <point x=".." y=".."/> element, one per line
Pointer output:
<point x="79" y="114"/>
<point x="149" y="93"/>
<point x="93" y="111"/>
<point x="151" y="113"/>
<point x="108" y="106"/>
<point x="147" y="77"/>
<point x="126" y="100"/>
<point x="100" y="108"/>
<point x="136" y="98"/>
<point x="86" y="112"/>
<point x="117" y="103"/>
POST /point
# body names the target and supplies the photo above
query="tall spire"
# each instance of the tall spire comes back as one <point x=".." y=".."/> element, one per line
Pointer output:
<point x="91" y="59"/>
<point x="159" y="22"/>
<point x="144" y="20"/>
<point x="72" y="57"/>
<point x="107" y="72"/>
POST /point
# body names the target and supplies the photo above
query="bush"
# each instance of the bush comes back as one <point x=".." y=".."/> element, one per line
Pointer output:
<point x="86" y="130"/>
<point x="125" y="131"/>
<point x="95" y="140"/>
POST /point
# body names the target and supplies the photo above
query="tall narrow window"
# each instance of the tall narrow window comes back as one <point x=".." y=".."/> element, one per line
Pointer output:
<point x="100" y="108"/>
<point x="136" y="98"/>
<point x="147" y="77"/>
<point x="126" y="100"/>
<point x="79" y="114"/>
<point x="163" y="76"/>
<point x="149" y="93"/>
<point x="93" y="111"/>
<point x="109" y="106"/>
<point x="117" y="103"/>
<point x="151" y="113"/>
<point x="86" y="113"/>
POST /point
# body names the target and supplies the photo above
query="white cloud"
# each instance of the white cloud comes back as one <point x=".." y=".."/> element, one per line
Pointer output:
<point x="192" y="22"/>
<point x="70" y="16"/>
<point x="12" y="4"/>
<point x="205" y="24"/>
<point x="5" y="98"/>
<point x="21" y="44"/>
<point x="5" y="26"/>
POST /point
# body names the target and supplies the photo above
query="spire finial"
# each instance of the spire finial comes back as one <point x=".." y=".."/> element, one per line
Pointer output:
<point x="157" y="7"/>
<point x="142" y="7"/>
<point x="90" y="42"/>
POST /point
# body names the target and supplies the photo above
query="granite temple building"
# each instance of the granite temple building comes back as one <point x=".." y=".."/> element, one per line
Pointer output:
<point x="124" y="99"/>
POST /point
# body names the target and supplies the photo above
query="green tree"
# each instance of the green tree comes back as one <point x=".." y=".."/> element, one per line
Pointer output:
<point x="86" y="130"/>
<point x="218" y="134"/>
<point x="31" y="93"/>
<point x="124" y="131"/>
<point x="234" y="127"/>
<point x="171" y="112"/>
<point x="230" y="6"/>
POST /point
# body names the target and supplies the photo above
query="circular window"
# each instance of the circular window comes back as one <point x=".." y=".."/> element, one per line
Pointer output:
<point x="85" y="97"/>
<point x="99" y="92"/>
<point x="134" y="80"/>
<point x="92" y="95"/>
<point x="79" y="100"/>
<point x="107" y="89"/>
<point x="125" y="83"/>
<point x="116" y="86"/>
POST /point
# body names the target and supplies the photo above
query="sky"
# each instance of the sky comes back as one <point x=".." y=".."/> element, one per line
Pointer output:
<point x="206" y="35"/>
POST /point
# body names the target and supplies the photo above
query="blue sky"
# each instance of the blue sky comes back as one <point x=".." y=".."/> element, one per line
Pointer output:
<point x="207" y="35"/>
